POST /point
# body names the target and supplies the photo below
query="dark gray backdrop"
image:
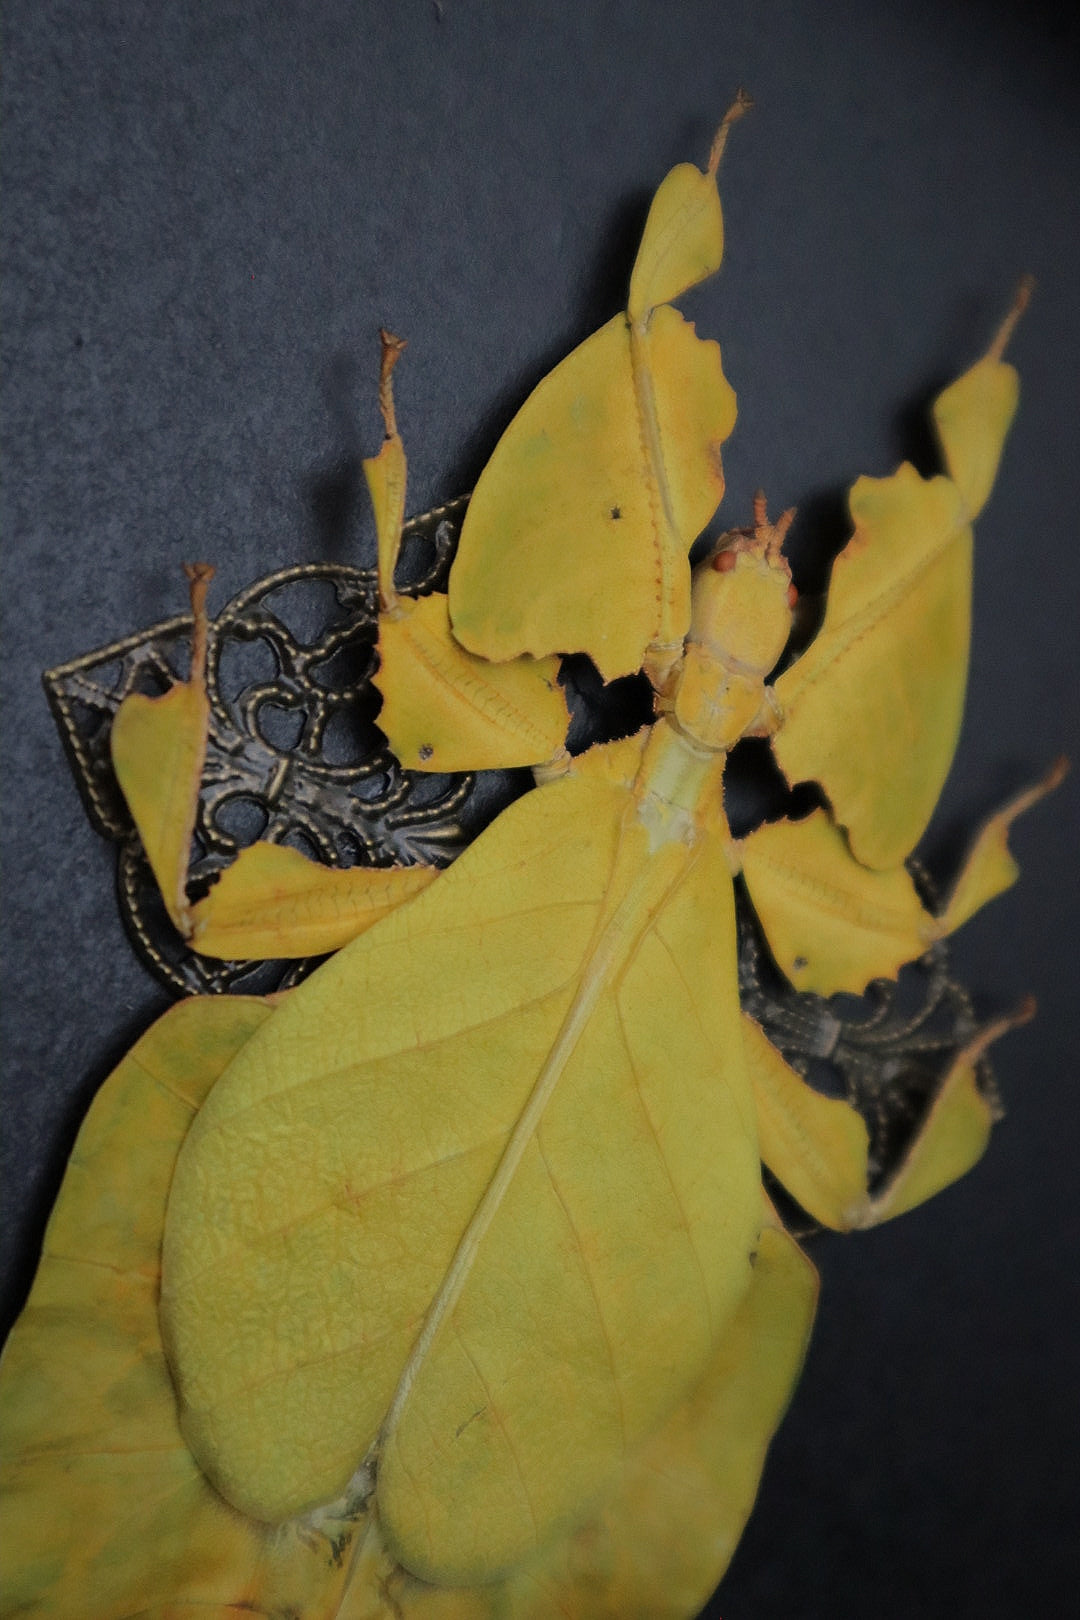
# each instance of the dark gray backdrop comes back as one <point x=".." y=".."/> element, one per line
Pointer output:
<point x="209" y="208"/>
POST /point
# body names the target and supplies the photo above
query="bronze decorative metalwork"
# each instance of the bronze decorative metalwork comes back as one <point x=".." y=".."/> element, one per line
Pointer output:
<point x="294" y="754"/>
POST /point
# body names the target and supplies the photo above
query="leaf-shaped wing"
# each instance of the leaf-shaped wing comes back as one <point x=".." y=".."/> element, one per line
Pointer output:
<point x="662" y="1541"/>
<point x="659" y="1542"/>
<point x="469" y="1231"/>
<point x="872" y="709"/>
<point x="104" y="1511"/>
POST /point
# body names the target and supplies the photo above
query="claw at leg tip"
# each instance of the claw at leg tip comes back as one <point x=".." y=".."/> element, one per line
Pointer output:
<point x="1021" y="299"/>
<point x="392" y="349"/>
<point x="742" y="104"/>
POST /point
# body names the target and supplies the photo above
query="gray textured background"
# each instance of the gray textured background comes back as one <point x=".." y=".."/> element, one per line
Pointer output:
<point x="209" y="208"/>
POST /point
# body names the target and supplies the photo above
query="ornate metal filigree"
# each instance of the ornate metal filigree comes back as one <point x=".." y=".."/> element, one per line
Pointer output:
<point x="886" y="1052"/>
<point x="295" y="756"/>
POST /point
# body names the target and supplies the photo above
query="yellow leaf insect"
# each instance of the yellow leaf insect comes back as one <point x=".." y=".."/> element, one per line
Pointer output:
<point x="445" y="1285"/>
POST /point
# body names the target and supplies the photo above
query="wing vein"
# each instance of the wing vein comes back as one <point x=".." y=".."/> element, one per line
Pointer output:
<point x="358" y="1065"/>
<point x="498" y="1418"/>
<point x="587" y="1274"/>
<point x="324" y="1357"/>
<point x="662" y="1156"/>
<point x="344" y="1202"/>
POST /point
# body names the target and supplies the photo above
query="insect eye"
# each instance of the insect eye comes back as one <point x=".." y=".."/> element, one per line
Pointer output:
<point x="792" y="596"/>
<point x="724" y="561"/>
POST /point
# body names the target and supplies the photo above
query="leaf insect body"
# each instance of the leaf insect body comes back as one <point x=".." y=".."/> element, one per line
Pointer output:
<point x="444" y="1286"/>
